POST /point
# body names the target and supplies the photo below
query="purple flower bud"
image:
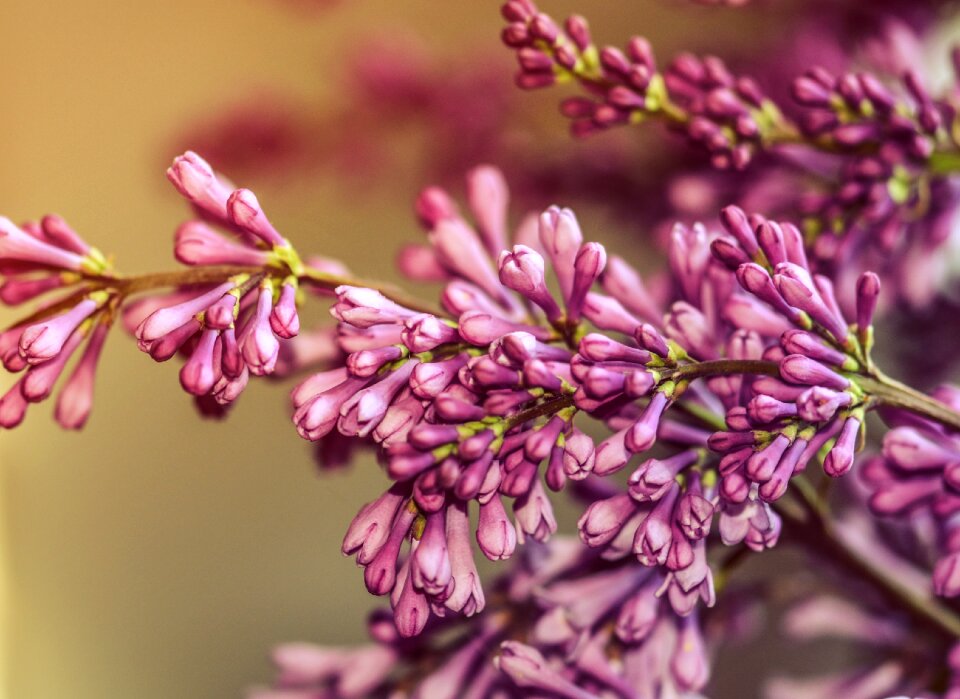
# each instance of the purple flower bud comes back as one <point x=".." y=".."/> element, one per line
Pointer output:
<point x="600" y="348"/>
<point x="366" y="307"/>
<point x="434" y="205"/>
<point x="198" y="374"/>
<point x="611" y="454"/>
<point x="654" y="536"/>
<point x="246" y="213"/>
<point x="460" y="251"/>
<point x="868" y="291"/>
<point x="802" y="342"/>
<point x="222" y="314"/>
<point x="538" y="446"/>
<point x="195" y="243"/>
<point x="39" y="380"/>
<point x="578" y="455"/>
<point x="819" y="404"/>
<point x="757" y="281"/>
<point x="798" y="369"/>
<point x="168" y="319"/>
<point x="910" y="451"/>
<point x="284" y="320"/>
<point x="371" y="526"/>
<point x="797" y="288"/>
<point x="318" y="415"/>
<point x="588" y="266"/>
<point x="763" y="409"/>
<point x="410" y="610"/>
<point x="643" y="433"/>
<point x="608" y="314"/>
<point x="694" y="515"/>
<point x="258" y="345"/>
<point x="380" y="575"/>
<point x="522" y="270"/>
<point x="653" y="477"/>
<point x="735" y="221"/>
<point x="728" y="253"/>
<point x="43" y="341"/>
<point x="59" y="233"/>
<point x="366" y="363"/>
<point x="419" y="262"/>
<point x="761" y="465"/>
<point x="467" y="597"/>
<point x="495" y="533"/>
<point x="480" y="328"/>
<point x="430" y="566"/>
<point x="363" y="411"/>
<point x="195" y="179"/>
<point x="604" y="519"/>
<point x="688" y="326"/>
<point x="75" y="401"/>
<point x="840" y="459"/>
<point x="774" y="487"/>
<point x="430" y="378"/>
<point x="898" y="497"/>
<point x="561" y="238"/>
<point x="488" y="196"/>
<point x="14" y="291"/>
<point x="534" y="514"/>
<point x="424" y="332"/>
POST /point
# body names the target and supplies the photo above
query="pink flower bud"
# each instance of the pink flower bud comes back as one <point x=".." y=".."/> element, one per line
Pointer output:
<point x="166" y="320"/>
<point x="17" y="245"/>
<point x="198" y="374"/>
<point x="43" y="341"/>
<point x="39" y="380"/>
<point x="195" y="179"/>
<point x="488" y="196"/>
<point x="495" y="533"/>
<point x="195" y="243"/>
<point x="246" y="213"/>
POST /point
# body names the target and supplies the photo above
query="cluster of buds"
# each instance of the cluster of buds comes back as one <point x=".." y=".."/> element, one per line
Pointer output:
<point x="818" y="393"/>
<point x="232" y="327"/>
<point x="918" y="476"/>
<point x="583" y="608"/>
<point x="37" y="260"/>
<point x="726" y="115"/>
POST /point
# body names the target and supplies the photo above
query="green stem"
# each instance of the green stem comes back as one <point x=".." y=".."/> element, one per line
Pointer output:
<point x="895" y="394"/>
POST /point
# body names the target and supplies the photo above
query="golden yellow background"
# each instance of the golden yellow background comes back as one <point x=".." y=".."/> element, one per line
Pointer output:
<point x="156" y="555"/>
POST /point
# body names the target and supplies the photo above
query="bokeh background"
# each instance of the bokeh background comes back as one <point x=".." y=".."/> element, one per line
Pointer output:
<point x="160" y="555"/>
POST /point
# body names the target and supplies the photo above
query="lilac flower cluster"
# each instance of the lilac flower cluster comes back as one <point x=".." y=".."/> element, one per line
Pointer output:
<point x="715" y="406"/>
<point x="37" y="260"/>
<point x="577" y="608"/>
<point x="868" y="160"/>
<point x="232" y="329"/>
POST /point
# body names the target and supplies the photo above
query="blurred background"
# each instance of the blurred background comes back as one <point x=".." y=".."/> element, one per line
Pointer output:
<point x="158" y="554"/>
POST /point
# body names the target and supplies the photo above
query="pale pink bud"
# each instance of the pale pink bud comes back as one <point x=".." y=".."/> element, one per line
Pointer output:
<point x="43" y="341"/>
<point x="195" y="243"/>
<point x="246" y="213"/>
<point x="19" y="246"/>
<point x="284" y="320"/>
<point x="198" y="374"/>
<point x="495" y="533"/>
<point x="165" y="320"/>
<point x="195" y="179"/>
<point x="258" y="345"/>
